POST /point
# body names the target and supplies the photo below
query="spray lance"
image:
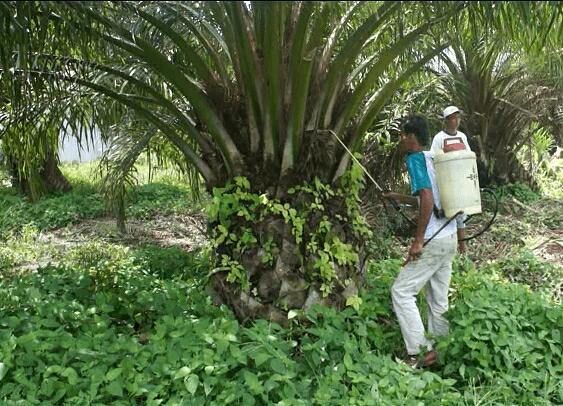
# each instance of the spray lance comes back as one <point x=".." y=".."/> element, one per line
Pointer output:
<point x="472" y="177"/>
<point x="379" y="188"/>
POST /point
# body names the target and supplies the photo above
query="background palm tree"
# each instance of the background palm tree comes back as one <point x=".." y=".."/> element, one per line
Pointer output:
<point x="501" y="71"/>
<point x="29" y="146"/>
<point x="500" y="98"/>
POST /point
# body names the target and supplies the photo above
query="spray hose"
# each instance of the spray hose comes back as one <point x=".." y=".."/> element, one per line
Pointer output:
<point x="466" y="220"/>
<point x="488" y="225"/>
<point x="441" y="228"/>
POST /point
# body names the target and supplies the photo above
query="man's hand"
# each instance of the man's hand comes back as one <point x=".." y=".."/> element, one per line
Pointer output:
<point x="399" y="198"/>
<point x="415" y="251"/>
<point x="460" y="243"/>
<point x="461" y="247"/>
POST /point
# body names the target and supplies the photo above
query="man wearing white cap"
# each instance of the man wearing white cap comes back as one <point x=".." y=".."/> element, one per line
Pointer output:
<point x="452" y="119"/>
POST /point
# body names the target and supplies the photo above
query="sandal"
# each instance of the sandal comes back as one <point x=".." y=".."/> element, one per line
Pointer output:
<point x="416" y="361"/>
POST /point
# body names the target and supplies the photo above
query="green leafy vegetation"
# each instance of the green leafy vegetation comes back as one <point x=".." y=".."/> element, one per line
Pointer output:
<point x="18" y="249"/>
<point x="50" y="212"/>
<point x="84" y="202"/>
<point x="116" y="325"/>
<point x="506" y="335"/>
<point x="104" y="323"/>
<point x="523" y="267"/>
<point x="519" y="191"/>
<point x="159" y="198"/>
<point x="321" y="225"/>
<point x="171" y="261"/>
<point x="101" y="330"/>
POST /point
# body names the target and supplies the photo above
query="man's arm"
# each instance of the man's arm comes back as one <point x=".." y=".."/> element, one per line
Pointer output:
<point x="404" y="199"/>
<point x="460" y="221"/>
<point x="426" y="206"/>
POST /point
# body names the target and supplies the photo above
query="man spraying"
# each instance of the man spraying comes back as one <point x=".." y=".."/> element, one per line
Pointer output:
<point x="431" y="266"/>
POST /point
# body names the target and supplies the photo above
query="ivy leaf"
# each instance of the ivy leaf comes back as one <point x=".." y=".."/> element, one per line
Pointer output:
<point x="114" y="373"/>
<point x="355" y="301"/>
<point x="115" y="389"/>
<point x="278" y="366"/>
<point x="50" y="323"/>
<point x="207" y="387"/>
<point x="261" y="357"/>
<point x="253" y="383"/>
<point x="71" y="375"/>
<point x="191" y="382"/>
<point x="183" y="372"/>
<point x="348" y="363"/>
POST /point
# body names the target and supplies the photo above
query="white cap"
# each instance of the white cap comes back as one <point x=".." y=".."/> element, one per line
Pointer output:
<point x="450" y="110"/>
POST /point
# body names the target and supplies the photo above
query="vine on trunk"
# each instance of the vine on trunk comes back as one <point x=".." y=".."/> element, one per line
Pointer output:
<point x="274" y="255"/>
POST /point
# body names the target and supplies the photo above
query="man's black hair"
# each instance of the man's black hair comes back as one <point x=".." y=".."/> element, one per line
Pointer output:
<point x="416" y="124"/>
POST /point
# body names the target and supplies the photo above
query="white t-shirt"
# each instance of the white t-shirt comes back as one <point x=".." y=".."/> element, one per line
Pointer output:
<point x="438" y="141"/>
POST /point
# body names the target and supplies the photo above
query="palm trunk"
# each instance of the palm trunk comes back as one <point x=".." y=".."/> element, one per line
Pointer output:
<point x="502" y="167"/>
<point x="36" y="183"/>
<point x="52" y="177"/>
<point x="300" y="251"/>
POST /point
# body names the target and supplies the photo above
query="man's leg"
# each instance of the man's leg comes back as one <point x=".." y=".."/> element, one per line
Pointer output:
<point x="438" y="285"/>
<point x="409" y="282"/>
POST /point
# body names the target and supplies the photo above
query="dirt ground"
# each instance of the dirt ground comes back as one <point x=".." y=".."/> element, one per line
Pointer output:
<point x="537" y="226"/>
<point x="184" y="231"/>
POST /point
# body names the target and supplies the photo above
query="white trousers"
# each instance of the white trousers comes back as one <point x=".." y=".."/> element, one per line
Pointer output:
<point x="433" y="269"/>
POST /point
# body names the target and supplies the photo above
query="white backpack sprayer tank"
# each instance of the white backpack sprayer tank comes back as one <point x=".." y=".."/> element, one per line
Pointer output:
<point x="457" y="179"/>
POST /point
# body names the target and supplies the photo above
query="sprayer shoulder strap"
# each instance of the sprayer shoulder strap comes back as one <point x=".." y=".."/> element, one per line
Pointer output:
<point x="439" y="213"/>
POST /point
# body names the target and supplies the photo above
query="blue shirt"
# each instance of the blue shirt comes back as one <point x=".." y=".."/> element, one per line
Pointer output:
<point x="418" y="173"/>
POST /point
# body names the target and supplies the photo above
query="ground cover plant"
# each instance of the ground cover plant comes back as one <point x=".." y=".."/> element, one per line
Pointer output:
<point x="107" y="326"/>
<point x="102" y="322"/>
<point x="84" y="201"/>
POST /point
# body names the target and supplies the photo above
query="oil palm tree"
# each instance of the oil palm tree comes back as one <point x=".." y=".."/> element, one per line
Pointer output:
<point x="252" y="96"/>
<point x="501" y="99"/>
<point x="29" y="147"/>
